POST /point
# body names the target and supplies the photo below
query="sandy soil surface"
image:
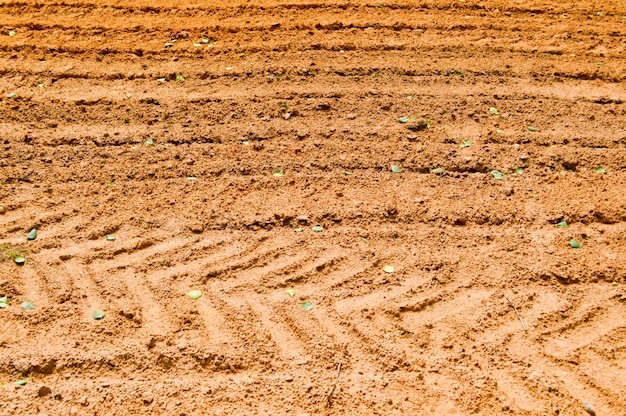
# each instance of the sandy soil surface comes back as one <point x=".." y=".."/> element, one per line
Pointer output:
<point x="446" y="139"/>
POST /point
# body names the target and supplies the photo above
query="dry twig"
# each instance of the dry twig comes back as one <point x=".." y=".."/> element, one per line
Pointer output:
<point x="516" y="312"/>
<point x="329" y="396"/>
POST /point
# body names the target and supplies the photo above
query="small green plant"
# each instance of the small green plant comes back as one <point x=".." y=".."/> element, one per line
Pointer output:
<point x="466" y="143"/>
<point x="497" y="174"/>
<point x="194" y="294"/>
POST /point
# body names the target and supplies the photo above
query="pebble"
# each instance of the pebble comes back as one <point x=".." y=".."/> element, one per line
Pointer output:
<point x="147" y="397"/>
<point x="43" y="391"/>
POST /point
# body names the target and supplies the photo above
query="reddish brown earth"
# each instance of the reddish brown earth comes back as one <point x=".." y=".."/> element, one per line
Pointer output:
<point x="314" y="89"/>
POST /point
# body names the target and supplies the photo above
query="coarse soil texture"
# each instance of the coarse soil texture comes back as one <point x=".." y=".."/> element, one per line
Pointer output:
<point x="393" y="208"/>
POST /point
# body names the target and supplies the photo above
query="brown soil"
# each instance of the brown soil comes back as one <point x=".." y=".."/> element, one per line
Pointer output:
<point x="100" y="136"/>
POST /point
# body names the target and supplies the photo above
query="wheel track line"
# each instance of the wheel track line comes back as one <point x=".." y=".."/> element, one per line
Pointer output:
<point x="291" y="348"/>
<point x="525" y="350"/>
<point x="228" y="256"/>
<point x="586" y="333"/>
<point x="312" y="266"/>
<point x="220" y="332"/>
<point x="131" y="252"/>
<point x="155" y="320"/>
<point x="86" y="287"/>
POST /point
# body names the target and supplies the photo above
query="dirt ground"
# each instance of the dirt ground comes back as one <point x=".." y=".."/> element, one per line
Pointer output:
<point x="208" y="140"/>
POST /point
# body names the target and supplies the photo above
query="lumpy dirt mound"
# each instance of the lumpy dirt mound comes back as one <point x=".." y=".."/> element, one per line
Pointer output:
<point x="207" y="140"/>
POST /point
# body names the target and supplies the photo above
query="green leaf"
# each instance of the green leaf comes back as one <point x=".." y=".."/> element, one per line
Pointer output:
<point x="499" y="131"/>
<point x="205" y="40"/>
<point x="298" y="230"/>
<point x="562" y="224"/>
<point x="32" y="234"/>
<point x="129" y="96"/>
<point x="574" y="244"/>
<point x="4" y="302"/>
<point x="27" y="306"/>
<point x="191" y="178"/>
<point x="600" y="170"/>
<point x="348" y="173"/>
<point x="110" y="237"/>
<point x="19" y="260"/>
<point x="194" y="294"/>
<point x="149" y="142"/>
<point x="466" y="143"/>
<point x="22" y="382"/>
<point x="306" y="305"/>
<point x="493" y="110"/>
<point x="396" y="169"/>
<point x="11" y="33"/>
<point x="317" y="229"/>
<point x="388" y="269"/>
<point x="11" y="95"/>
<point x="278" y="173"/>
<point x="290" y="292"/>
<point x="519" y="171"/>
<point x="497" y="174"/>
<point x="404" y="120"/>
<point x="180" y="77"/>
<point x="169" y="44"/>
<point x="533" y="129"/>
<point x="97" y="315"/>
<point x="436" y="170"/>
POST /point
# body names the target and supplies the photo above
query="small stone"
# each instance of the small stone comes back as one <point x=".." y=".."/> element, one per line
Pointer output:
<point x="3" y="210"/>
<point x="44" y="391"/>
<point x="507" y="191"/>
<point x="351" y="116"/>
<point x="22" y="365"/>
<point x="289" y="378"/>
<point x="147" y="397"/>
<point x="84" y="401"/>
